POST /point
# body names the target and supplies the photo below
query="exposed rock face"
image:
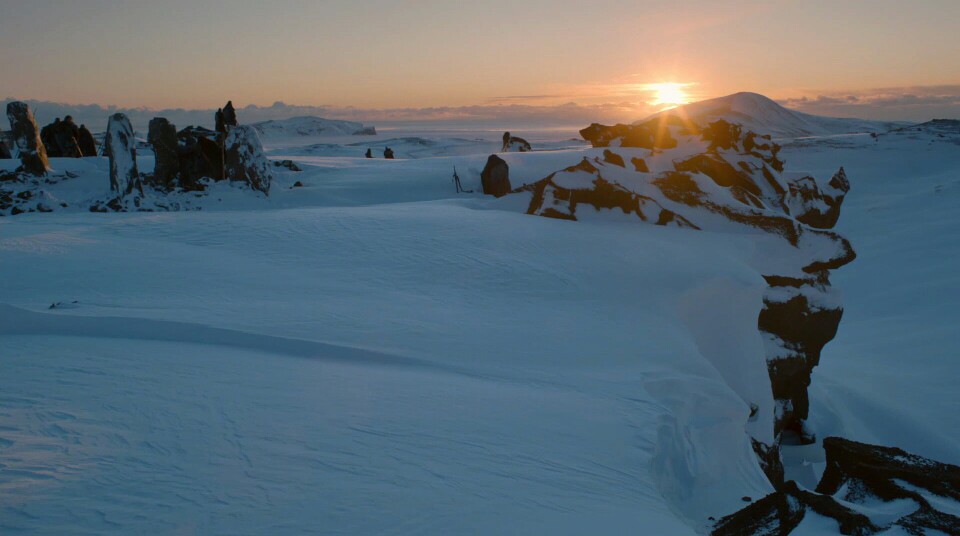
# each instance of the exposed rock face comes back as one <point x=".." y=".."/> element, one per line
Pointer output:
<point x="229" y="115"/>
<point x="245" y="160"/>
<point x="162" y="136"/>
<point x="88" y="146"/>
<point x="33" y="156"/>
<point x="859" y="474"/>
<point x="124" y="177"/>
<point x="495" y="177"/>
<point x="735" y="180"/>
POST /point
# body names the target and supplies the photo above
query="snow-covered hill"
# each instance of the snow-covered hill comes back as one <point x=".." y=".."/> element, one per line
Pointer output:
<point x="310" y="126"/>
<point x="761" y="114"/>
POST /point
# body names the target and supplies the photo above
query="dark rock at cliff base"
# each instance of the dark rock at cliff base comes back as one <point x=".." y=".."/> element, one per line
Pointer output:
<point x="88" y="146"/>
<point x="5" y="151"/>
<point x="859" y="474"/>
<point x="119" y="140"/>
<point x="495" y="177"/>
<point x="244" y="158"/>
<point x="33" y="155"/>
<point x="162" y="136"/>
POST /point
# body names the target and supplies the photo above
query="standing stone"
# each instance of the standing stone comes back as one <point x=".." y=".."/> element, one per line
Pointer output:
<point x="229" y="115"/>
<point x="122" y="146"/>
<point x="33" y="156"/>
<point x="88" y="146"/>
<point x="162" y="136"/>
<point x="219" y="126"/>
<point x="495" y="177"/>
<point x="245" y="160"/>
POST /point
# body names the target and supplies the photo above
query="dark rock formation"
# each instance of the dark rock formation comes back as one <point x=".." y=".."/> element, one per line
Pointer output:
<point x="162" y="136"/>
<point x="229" y="115"/>
<point x="816" y="206"/>
<point x="4" y="151"/>
<point x="495" y="177"/>
<point x="289" y="164"/>
<point x="857" y="473"/>
<point x="88" y="146"/>
<point x="244" y="158"/>
<point x="49" y="138"/>
<point x="33" y="155"/>
<point x="66" y="135"/>
<point x="124" y="177"/>
<point x="199" y="157"/>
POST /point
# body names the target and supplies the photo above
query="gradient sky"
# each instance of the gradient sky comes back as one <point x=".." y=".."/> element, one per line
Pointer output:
<point x="399" y="54"/>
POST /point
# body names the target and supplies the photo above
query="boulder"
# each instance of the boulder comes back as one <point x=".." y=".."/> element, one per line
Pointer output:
<point x="199" y="155"/>
<point x="88" y="146"/>
<point x="33" y="155"/>
<point x="120" y="142"/>
<point x="162" y="136"/>
<point x="244" y="159"/>
<point x="495" y="177"/>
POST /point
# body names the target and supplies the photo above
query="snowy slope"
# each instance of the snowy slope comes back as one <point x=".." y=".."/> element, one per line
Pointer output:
<point x="307" y="126"/>
<point x="761" y="114"/>
<point x="371" y="353"/>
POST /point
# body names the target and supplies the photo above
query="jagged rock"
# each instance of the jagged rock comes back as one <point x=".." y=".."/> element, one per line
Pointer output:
<point x="88" y="146"/>
<point x="124" y="177"/>
<point x="291" y="165"/>
<point x="858" y="474"/>
<point x="162" y="136"/>
<point x="495" y="177"/>
<point x="245" y="160"/>
<point x="33" y="156"/>
<point x="818" y="206"/>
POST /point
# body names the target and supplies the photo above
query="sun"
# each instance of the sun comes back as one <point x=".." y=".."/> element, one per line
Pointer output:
<point x="668" y="94"/>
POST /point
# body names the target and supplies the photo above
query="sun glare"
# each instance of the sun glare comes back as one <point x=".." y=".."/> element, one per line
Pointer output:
<point x="668" y="94"/>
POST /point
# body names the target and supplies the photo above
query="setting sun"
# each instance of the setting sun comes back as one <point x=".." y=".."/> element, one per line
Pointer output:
<point x="668" y="94"/>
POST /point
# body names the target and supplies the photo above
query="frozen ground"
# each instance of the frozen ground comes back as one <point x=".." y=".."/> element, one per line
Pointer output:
<point x="373" y="354"/>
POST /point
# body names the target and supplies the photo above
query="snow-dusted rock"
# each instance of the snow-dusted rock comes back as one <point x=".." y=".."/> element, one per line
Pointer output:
<point x="858" y="478"/>
<point x="162" y="136"/>
<point x="517" y="145"/>
<point x="817" y="206"/>
<point x="245" y="160"/>
<point x="24" y="130"/>
<point x="122" y="146"/>
<point x="495" y="177"/>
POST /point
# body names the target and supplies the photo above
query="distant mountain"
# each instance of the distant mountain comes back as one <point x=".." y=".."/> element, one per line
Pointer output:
<point x="311" y="126"/>
<point x="763" y="115"/>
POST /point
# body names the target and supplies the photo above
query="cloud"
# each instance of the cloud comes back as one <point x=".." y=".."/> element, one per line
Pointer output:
<point x="907" y="103"/>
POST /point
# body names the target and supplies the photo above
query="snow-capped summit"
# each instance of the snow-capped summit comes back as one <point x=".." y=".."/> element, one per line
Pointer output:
<point x="761" y="114"/>
<point x="311" y="126"/>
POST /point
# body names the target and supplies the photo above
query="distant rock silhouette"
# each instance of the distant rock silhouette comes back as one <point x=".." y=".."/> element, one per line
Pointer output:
<point x="495" y="177"/>
<point x="33" y="155"/>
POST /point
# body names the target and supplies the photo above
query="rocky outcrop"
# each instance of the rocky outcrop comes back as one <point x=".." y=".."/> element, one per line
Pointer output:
<point x="244" y="158"/>
<point x="199" y="157"/>
<point x="162" y="136"/>
<point x="33" y="155"/>
<point x="122" y="147"/>
<point x="5" y="151"/>
<point x="517" y="145"/>
<point x="495" y="177"/>
<point x="857" y="477"/>
<point x="735" y="180"/>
